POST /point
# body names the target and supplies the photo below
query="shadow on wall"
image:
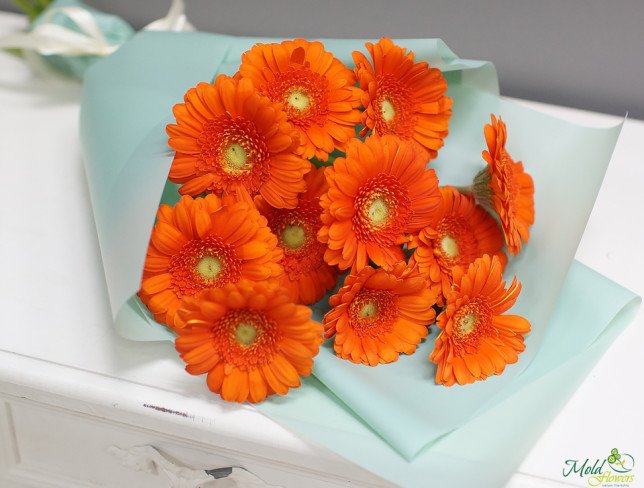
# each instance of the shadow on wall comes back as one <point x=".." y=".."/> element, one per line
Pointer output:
<point x="579" y="53"/>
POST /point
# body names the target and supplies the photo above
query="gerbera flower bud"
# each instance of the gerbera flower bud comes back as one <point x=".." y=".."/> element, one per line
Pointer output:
<point x="402" y="97"/>
<point x="201" y="243"/>
<point x="477" y="338"/>
<point x="315" y="89"/>
<point x="378" y="314"/>
<point x="377" y="195"/>
<point x="228" y="138"/>
<point x="250" y="339"/>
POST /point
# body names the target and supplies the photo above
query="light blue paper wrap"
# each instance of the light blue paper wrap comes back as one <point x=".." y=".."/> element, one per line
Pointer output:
<point x="115" y="30"/>
<point x="486" y="450"/>
<point x="392" y="416"/>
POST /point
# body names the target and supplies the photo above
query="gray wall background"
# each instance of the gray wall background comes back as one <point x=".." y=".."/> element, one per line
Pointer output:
<point x="580" y="53"/>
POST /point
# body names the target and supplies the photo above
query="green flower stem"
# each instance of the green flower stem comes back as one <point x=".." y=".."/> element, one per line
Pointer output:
<point x="464" y="189"/>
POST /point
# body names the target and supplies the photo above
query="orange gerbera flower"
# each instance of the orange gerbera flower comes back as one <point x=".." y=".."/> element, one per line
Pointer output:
<point x="201" y="243"/>
<point x="315" y="88"/>
<point x="306" y="276"/>
<point x="377" y="194"/>
<point x="250" y="339"/>
<point x="476" y="339"/>
<point x="458" y="234"/>
<point x="379" y="314"/>
<point x="403" y="97"/>
<point x="506" y="187"/>
<point x="230" y="139"/>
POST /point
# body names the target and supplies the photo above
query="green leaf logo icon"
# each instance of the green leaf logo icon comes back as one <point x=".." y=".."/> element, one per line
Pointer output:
<point x="614" y="456"/>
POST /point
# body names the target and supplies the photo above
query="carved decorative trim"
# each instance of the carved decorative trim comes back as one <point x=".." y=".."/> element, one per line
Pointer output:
<point x="148" y="459"/>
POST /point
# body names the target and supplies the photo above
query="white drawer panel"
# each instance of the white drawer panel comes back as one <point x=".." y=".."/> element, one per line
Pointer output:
<point x="48" y="446"/>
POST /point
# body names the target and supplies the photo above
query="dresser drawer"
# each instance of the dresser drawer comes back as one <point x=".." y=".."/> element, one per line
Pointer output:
<point x="48" y="446"/>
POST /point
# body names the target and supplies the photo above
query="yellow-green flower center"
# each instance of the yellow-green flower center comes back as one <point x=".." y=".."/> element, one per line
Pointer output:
<point x="378" y="211"/>
<point x="449" y="246"/>
<point x="299" y="100"/>
<point x="245" y="334"/>
<point x="387" y="110"/>
<point x="368" y="310"/>
<point x="467" y="324"/>
<point x="236" y="159"/>
<point x="209" y="268"/>
<point x="293" y="236"/>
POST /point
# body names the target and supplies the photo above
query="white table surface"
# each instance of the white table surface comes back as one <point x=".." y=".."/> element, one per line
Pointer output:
<point x="53" y="299"/>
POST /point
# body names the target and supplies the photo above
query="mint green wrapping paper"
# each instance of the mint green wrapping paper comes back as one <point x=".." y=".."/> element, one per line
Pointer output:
<point x="392" y="415"/>
<point x="114" y="28"/>
<point x="486" y="450"/>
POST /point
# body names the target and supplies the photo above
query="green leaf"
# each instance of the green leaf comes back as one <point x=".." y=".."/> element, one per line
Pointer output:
<point x="332" y="157"/>
<point x="33" y="8"/>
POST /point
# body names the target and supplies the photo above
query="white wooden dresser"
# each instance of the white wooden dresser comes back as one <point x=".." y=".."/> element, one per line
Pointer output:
<point x="82" y="407"/>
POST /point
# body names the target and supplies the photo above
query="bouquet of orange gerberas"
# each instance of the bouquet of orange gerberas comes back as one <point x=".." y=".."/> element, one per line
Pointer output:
<point x="299" y="172"/>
